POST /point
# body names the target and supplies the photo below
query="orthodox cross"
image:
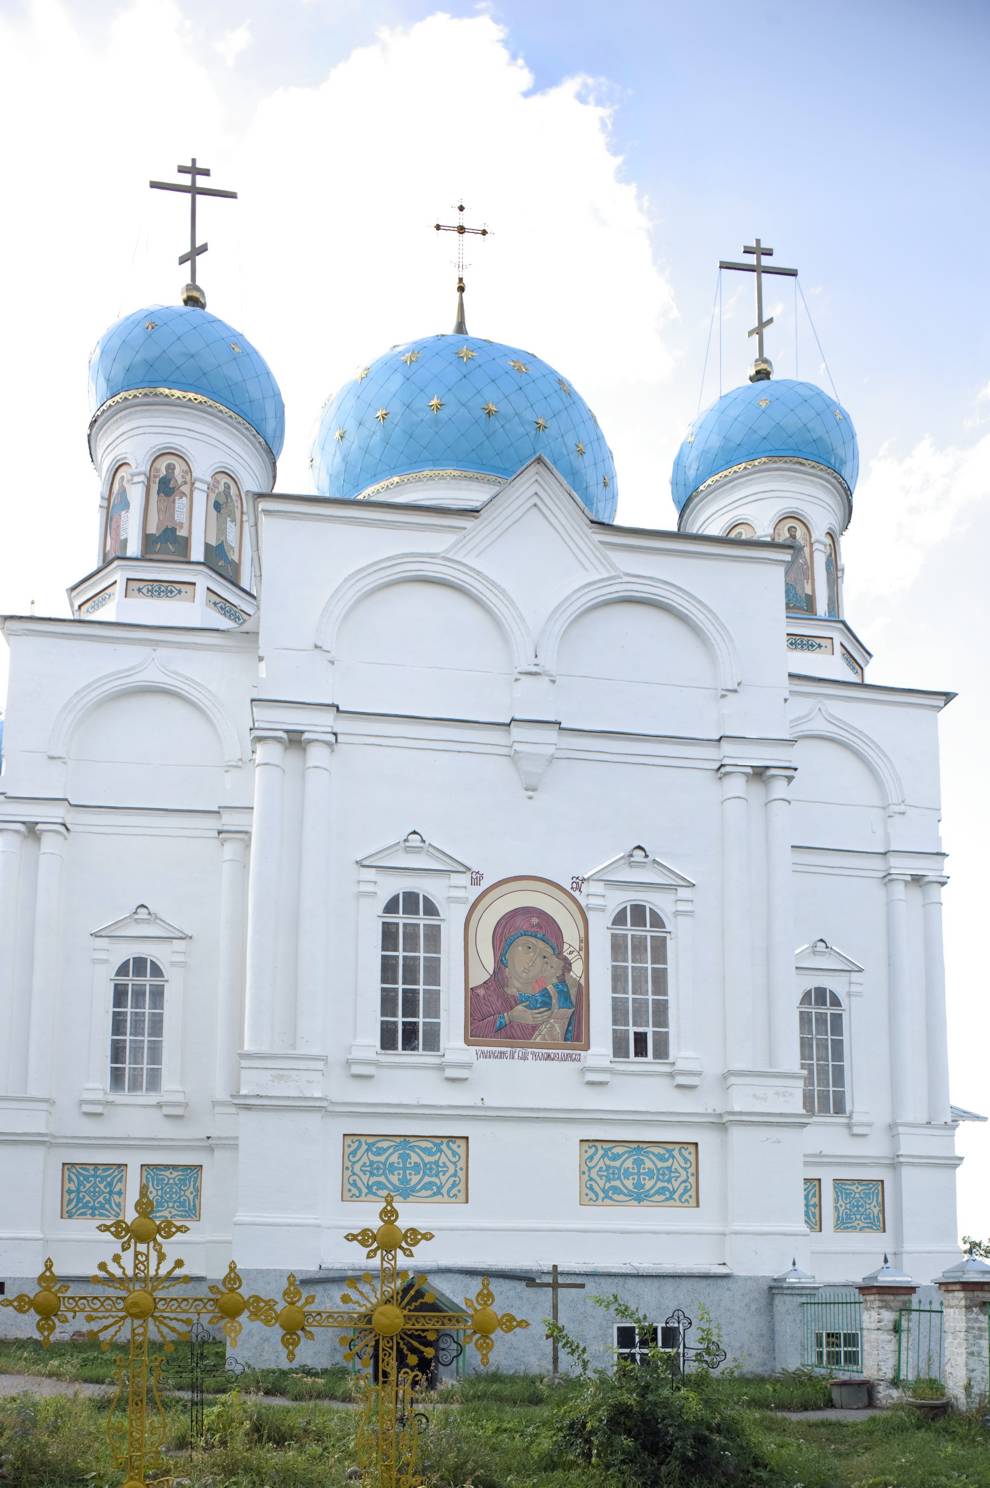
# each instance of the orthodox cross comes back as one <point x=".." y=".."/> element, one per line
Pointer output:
<point x="462" y="231"/>
<point x="192" y="294"/>
<point x="762" y="367"/>
<point x="555" y="1286"/>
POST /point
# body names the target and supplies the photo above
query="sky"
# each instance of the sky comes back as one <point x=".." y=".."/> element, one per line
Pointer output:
<point x="617" y="152"/>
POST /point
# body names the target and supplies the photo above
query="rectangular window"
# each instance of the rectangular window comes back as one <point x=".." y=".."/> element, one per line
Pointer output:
<point x="835" y="1349"/>
<point x="640" y="1006"/>
<point x="633" y="1344"/>
<point x="410" y="972"/>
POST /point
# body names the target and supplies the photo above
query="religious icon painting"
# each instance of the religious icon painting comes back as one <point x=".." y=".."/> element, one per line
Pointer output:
<point x="525" y="966"/>
<point x="168" y="510"/>
<point x="224" y="516"/>
<point x="741" y="530"/>
<point x="832" y="577"/>
<point x="118" y="514"/>
<point x="799" y="576"/>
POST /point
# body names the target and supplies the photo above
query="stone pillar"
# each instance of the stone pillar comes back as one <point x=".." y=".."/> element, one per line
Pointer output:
<point x="936" y="1038"/>
<point x="12" y="834"/>
<point x="313" y="975"/>
<point x="899" y="1009"/>
<point x="45" y="961"/>
<point x="965" y="1291"/>
<point x="884" y="1294"/>
<point x="737" y="960"/>
<point x="780" y="923"/>
<point x="264" y="882"/>
<point x="788" y="1295"/>
<point x="230" y="967"/>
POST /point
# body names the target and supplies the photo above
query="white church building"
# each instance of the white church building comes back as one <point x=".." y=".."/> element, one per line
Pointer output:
<point x="432" y="833"/>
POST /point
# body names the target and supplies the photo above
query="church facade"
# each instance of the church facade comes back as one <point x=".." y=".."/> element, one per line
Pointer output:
<point x="434" y="834"/>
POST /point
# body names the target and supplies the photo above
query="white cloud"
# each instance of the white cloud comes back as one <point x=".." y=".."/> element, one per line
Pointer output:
<point x="234" y="42"/>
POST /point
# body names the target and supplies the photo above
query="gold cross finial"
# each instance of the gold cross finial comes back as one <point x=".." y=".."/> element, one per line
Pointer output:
<point x="192" y="294"/>
<point x="462" y="231"/>
<point x="762" y="367"/>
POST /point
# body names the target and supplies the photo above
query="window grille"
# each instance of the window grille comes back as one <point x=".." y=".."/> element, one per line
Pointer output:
<point x="633" y="1343"/>
<point x="136" y="1027"/>
<point x="823" y="1056"/>
<point x="640" y="1000"/>
<point x="835" y="1349"/>
<point x="410" y="974"/>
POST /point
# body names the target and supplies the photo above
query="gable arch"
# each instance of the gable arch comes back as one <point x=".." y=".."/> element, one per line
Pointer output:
<point x="639" y="590"/>
<point x="429" y="569"/>
<point x="821" y="723"/>
<point x="149" y="675"/>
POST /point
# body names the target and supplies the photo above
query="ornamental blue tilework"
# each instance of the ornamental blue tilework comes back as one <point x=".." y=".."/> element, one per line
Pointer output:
<point x="766" y="419"/>
<point x="661" y="1174"/>
<point x="813" y="1203"/>
<point x="857" y="1204"/>
<point x="93" y="1190"/>
<point x="422" y="1170"/>
<point x="188" y="351"/>
<point x="175" y="1189"/>
<point x="460" y="403"/>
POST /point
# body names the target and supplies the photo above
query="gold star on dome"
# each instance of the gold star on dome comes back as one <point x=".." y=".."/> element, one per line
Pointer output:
<point x="435" y="403"/>
<point x="381" y="415"/>
<point x="339" y="435"/>
<point x="234" y="346"/>
<point x="579" y="447"/>
<point x="540" y="425"/>
<point x="689" y="439"/>
<point x="150" y="325"/>
<point x="763" y="402"/>
<point x="363" y="374"/>
<point x="518" y="366"/>
<point x="410" y="357"/>
<point x="605" y="481"/>
<point x="489" y="409"/>
<point x="564" y="386"/>
<point x="838" y="415"/>
<point x="465" y="354"/>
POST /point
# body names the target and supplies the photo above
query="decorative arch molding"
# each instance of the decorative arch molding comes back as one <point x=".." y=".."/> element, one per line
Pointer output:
<point x="148" y="675"/>
<point x="641" y="590"/>
<point x="821" y="723"/>
<point x="429" y="569"/>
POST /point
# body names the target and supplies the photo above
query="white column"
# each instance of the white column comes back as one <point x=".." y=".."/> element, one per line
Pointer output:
<point x="137" y="486"/>
<point x="780" y="923"/>
<point x="197" y="520"/>
<point x="737" y="959"/>
<point x="684" y="1028"/>
<point x="230" y="967"/>
<point x="45" y="962"/>
<point x="937" y="1055"/>
<point x="313" y="977"/>
<point x="899" y="1010"/>
<point x="12" y="836"/>
<point x="264" y="882"/>
<point x="598" y="1064"/>
<point x="819" y="550"/>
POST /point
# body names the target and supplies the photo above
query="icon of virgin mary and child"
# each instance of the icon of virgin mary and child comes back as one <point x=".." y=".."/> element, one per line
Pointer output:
<point x="532" y="995"/>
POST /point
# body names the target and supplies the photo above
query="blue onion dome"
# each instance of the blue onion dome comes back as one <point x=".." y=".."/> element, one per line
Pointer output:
<point x="182" y="349"/>
<point x="457" y="404"/>
<point x="767" y="420"/>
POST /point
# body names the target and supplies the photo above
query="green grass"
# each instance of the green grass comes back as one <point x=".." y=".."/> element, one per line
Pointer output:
<point x="490" y="1442"/>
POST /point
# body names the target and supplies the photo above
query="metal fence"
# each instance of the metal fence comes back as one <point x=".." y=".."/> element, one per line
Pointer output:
<point x="833" y="1333"/>
<point x="919" y="1343"/>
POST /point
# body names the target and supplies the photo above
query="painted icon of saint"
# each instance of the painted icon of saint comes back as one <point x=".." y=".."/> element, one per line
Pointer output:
<point x="225" y="513"/>
<point x="168" y="533"/>
<point x="118" y="515"/>
<point x="532" y="995"/>
<point x="797" y="577"/>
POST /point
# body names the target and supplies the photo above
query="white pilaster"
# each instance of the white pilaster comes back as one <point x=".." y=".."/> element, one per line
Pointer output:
<point x="263" y="887"/>
<point x="137" y="485"/>
<point x="737" y="960"/>
<point x="684" y="1032"/>
<point x="197" y="520"/>
<point x="935" y="1027"/>
<point x="598" y="1064"/>
<point x="45" y="960"/>
<point x="780" y="923"/>
<point x="230" y="972"/>
<point x="819" y="552"/>
<point x="363" y="1058"/>
<point x="899" y="997"/>
<point x="12" y="836"/>
<point x="313" y="979"/>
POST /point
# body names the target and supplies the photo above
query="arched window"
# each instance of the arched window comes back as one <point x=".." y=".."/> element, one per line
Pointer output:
<point x="832" y="577"/>
<point x="640" y="1016"/>
<point x="823" y="1052"/>
<point x="799" y="576"/>
<point x="410" y="974"/>
<point x="168" y="509"/>
<point x="741" y="530"/>
<point x="224" y="510"/>
<point x="118" y="514"/>
<point x="136" y="1027"/>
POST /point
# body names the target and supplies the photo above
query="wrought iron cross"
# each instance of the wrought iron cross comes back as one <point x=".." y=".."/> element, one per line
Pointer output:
<point x="459" y="227"/>
<point x="192" y="294"/>
<point x="762" y="368"/>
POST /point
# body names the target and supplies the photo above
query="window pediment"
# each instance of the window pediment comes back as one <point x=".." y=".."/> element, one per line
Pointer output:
<point x="820" y="957"/>
<point x="638" y="868"/>
<point x="141" y="924"/>
<point x="414" y="854"/>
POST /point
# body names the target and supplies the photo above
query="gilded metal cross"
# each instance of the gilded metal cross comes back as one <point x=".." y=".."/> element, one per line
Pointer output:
<point x="759" y="268"/>
<point x="462" y="231"/>
<point x="192" y="294"/>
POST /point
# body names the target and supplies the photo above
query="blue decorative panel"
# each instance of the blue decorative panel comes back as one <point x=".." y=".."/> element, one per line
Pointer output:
<point x="857" y="1204"/>
<point x="661" y="1174"/>
<point x="93" y="1190"/>
<point x="421" y="1170"/>
<point x="813" y="1203"/>
<point x="175" y="1190"/>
